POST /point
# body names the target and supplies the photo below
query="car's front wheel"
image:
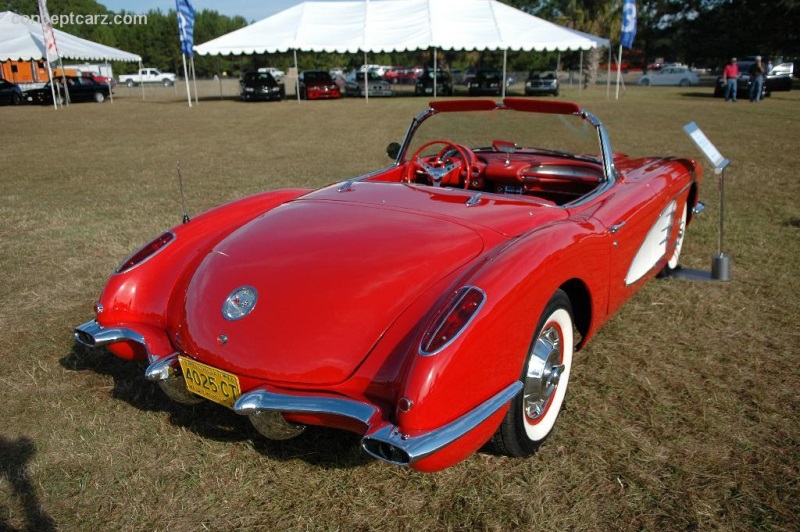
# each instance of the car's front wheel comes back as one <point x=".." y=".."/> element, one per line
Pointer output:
<point x="16" y="99"/>
<point x="545" y="375"/>
<point x="99" y="97"/>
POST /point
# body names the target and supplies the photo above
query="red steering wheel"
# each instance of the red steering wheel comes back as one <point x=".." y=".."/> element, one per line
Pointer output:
<point x="444" y="166"/>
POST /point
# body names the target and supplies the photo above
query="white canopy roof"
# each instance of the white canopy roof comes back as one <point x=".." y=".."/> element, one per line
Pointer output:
<point x="398" y="25"/>
<point x="21" y="39"/>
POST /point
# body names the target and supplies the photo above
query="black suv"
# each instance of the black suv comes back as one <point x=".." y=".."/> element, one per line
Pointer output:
<point x="424" y="85"/>
<point x="261" y="86"/>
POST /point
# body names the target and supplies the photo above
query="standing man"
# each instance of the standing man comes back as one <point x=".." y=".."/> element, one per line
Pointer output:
<point x="756" y="80"/>
<point x="729" y="75"/>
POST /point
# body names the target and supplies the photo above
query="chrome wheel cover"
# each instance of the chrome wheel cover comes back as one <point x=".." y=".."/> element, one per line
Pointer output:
<point x="544" y="372"/>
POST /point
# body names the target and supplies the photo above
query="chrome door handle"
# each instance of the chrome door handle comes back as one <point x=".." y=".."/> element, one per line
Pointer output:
<point x="616" y="227"/>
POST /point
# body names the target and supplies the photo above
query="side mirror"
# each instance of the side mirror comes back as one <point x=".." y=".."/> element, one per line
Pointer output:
<point x="393" y="150"/>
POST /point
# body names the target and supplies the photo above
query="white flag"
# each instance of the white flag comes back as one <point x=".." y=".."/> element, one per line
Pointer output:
<point x="49" y="35"/>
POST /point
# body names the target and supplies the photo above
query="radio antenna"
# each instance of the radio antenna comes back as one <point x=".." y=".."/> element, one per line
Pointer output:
<point x="183" y="196"/>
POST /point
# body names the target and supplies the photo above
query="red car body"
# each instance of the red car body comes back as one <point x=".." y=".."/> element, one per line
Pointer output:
<point x="317" y="85"/>
<point x="429" y="306"/>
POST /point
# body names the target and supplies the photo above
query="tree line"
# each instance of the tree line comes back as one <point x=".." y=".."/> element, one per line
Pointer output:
<point x="697" y="32"/>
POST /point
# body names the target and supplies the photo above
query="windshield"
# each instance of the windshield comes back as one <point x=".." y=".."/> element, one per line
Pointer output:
<point x="258" y="76"/>
<point x="317" y="77"/>
<point x="562" y="135"/>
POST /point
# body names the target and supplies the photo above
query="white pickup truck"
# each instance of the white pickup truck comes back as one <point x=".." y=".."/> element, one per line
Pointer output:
<point x="148" y="75"/>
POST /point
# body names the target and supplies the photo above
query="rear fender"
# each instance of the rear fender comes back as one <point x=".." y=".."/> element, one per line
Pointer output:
<point x="142" y="294"/>
<point x="489" y="354"/>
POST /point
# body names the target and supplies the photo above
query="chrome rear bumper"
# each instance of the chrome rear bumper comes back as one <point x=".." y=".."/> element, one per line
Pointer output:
<point x="93" y="334"/>
<point x="265" y="407"/>
<point x="382" y="440"/>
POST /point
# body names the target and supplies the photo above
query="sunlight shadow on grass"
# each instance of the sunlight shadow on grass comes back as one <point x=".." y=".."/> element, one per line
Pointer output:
<point x="14" y="458"/>
<point x="320" y="447"/>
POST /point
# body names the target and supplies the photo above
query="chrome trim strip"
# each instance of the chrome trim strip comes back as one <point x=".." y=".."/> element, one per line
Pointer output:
<point x="92" y="334"/>
<point x="414" y="448"/>
<point x="261" y="399"/>
<point x="474" y="200"/>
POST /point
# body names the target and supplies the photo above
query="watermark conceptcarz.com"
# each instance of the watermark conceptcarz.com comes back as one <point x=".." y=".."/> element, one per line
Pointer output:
<point x="80" y="19"/>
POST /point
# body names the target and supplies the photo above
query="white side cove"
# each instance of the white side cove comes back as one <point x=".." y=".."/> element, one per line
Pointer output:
<point x="654" y="246"/>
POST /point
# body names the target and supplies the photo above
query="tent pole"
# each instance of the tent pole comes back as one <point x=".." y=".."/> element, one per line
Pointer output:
<point x="580" y="74"/>
<point x="435" y="72"/>
<point x="558" y="65"/>
<point x="608" y="73"/>
<point x="366" y="77"/>
<point x="505" y="64"/>
<point x="64" y="80"/>
<point x="52" y="84"/>
<point x="194" y="81"/>
<point x="296" y="77"/>
<point x="619" y="70"/>
<point x="186" y="77"/>
<point x="141" y="67"/>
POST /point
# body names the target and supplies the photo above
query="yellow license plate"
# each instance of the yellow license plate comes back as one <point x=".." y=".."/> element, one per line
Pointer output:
<point x="214" y="384"/>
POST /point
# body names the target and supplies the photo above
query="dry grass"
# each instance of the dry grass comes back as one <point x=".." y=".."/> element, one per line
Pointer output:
<point x="682" y="414"/>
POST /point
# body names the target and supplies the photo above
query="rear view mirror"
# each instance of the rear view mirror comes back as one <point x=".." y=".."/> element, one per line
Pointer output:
<point x="393" y="150"/>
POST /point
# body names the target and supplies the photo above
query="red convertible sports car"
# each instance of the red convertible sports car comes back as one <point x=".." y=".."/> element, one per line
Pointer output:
<point x="432" y="306"/>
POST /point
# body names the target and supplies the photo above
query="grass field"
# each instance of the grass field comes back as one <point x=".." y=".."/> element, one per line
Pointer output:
<point x="683" y="413"/>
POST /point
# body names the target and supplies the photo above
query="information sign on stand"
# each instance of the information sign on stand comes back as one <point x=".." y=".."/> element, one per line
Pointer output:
<point x="720" y="264"/>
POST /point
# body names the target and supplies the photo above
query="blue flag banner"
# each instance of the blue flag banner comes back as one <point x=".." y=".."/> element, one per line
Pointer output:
<point x="186" y="26"/>
<point x="628" y="23"/>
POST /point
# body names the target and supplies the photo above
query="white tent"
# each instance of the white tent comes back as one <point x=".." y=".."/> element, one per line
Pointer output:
<point x="398" y="25"/>
<point x="21" y="39"/>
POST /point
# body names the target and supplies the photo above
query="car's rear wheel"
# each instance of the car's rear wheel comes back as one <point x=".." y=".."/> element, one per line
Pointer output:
<point x="532" y="414"/>
<point x="129" y="83"/>
<point x="684" y="82"/>
<point x="99" y="97"/>
<point x="645" y="82"/>
<point x="16" y="99"/>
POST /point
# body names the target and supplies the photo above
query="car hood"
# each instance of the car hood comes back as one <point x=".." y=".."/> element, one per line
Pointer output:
<point x="331" y="277"/>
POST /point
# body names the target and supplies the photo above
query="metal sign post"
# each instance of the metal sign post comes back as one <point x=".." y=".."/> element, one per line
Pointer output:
<point x="720" y="263"/>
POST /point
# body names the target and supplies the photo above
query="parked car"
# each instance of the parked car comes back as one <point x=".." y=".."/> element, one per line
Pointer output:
<point x="149" y="76"/>
<point x="674" y="75"/>
<point x="542" y="82"/>
<point x="261" y="86"/>
<point x="354" y="85"/>
<point x="276" y="73"/>
<point x="316" y="85"/>
<point x="10" y="93"/>
<point x="430" y="306"/>
<point x="776" y="80"/>
<point x="401" y="75"/>
<point x="486" y="83"/>
<point x="104" y="80"/>
<point x="79" y="89"/>
<point x="424" y="84"/>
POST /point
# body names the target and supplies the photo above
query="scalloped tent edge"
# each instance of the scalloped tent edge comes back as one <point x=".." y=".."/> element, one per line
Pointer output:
<point x="21" y="39"/>
<point x="379" y="26"/>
